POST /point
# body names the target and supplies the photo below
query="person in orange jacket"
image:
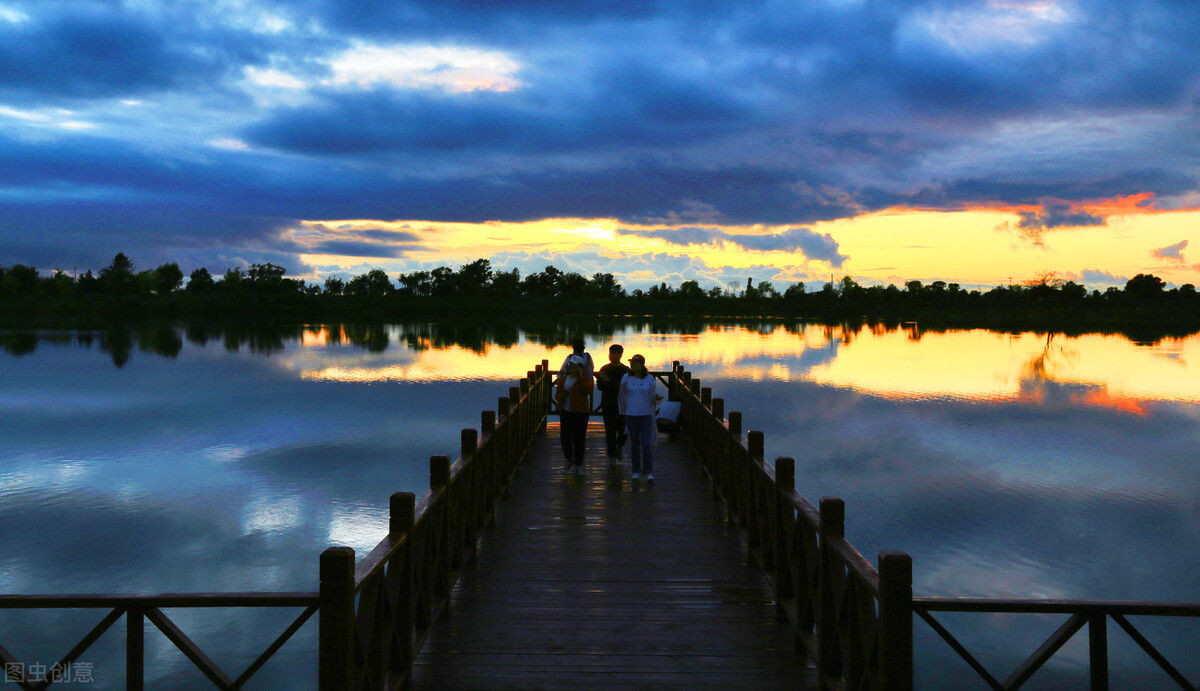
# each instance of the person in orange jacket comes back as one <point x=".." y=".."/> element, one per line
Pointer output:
<point x="573" y="393"/>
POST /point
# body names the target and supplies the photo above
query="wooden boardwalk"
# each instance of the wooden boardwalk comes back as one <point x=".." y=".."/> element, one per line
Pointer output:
<point x="603" y="582"/>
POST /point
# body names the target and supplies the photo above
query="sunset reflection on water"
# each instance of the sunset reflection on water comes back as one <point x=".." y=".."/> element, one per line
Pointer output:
<point x="1110" y="370"/>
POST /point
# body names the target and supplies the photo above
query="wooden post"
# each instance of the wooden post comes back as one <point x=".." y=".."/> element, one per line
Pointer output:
<point x="470" y="510"/>
<point x="754" y="444"/>
<point x="440" y="531"/>
<point x="895" y="621"/>
<point x="1098" y="650"/>
<point x="501" y="408"/>
<point x="514" y="395"/>
<point x="706" y="397"/>
<point x="402" y="513"/>
<point x="439" y="471"/>
<point x="336" y="620"/>
<point x="833" y="527"/>
<point x="718" y="409"/>
<point x="401" y="518"/>
<point x="785" y="482"/>
<point x="135" y="649"/>
<point x="469" y="443"/>
<point x="735" y="423"/>
<point x="524" y="385"/>
<point x="487" y="422"/>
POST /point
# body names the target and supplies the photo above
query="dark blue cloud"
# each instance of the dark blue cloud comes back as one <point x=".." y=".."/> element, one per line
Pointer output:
<point x="350" y="248"/>
<point x="1056" y="214"/>
<point x="664" y="112"/>
<point x="102" y="50"/>
<point x="813" y="245"/>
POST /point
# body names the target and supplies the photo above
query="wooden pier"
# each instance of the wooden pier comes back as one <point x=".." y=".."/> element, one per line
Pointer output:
<point x="607" y="582"/>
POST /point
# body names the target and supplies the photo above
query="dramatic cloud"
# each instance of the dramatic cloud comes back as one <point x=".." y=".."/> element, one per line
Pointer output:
<point x="206" y="128"/>
<point x="812" y="245"/>
<point x="1171" y="252"/>
<point x="1054" y="214"/>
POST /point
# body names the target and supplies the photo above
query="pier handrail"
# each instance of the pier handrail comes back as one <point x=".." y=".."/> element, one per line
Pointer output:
<point x="376" y="614"/>
<point x="1094" y="614"/>
<point x="852" y="620"/>
<point x="138" y="608"/>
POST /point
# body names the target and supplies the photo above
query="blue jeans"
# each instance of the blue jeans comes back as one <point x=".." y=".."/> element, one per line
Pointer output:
<point x="641" y="442"/>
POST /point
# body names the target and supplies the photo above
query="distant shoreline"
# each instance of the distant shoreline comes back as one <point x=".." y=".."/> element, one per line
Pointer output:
<point x="1140" y="322"/>
<point x="1145" y="308"/>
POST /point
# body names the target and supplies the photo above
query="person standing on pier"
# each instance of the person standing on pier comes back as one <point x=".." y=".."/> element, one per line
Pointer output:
<point x="575" y="385"/>
<point x="636" y="398"/>
<point x="608" y="380"/>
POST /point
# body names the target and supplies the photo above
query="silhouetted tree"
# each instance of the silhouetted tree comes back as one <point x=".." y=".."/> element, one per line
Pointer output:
<point x="334" y="286"/>
<point x="1144" y="287"/>
<point x="200" y="282"/>
<point x="167" y="278"/>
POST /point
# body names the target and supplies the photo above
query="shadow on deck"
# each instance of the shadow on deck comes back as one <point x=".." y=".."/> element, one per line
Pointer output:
<point x="603" y="581"/>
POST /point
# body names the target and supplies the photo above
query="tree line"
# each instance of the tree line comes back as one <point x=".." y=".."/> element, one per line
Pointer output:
<point x="477" y="286"/>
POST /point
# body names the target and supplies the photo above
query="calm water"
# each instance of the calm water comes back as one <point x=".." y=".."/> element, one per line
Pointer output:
<point x="188" y="459"/>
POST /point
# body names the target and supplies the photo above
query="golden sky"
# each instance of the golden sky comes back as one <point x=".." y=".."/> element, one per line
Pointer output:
<point x="970" y="247"/>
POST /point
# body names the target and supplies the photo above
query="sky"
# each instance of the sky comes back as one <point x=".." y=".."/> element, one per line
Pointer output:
<point x="973" y="142"/>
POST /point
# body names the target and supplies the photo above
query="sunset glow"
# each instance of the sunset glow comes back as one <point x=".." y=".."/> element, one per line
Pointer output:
<point x="1107" y="371"/>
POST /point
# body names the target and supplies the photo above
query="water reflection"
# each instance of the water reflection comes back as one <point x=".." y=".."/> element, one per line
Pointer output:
<point x="1006" y="464"/>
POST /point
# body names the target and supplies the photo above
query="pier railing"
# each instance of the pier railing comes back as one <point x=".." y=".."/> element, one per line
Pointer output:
<point x="855" y="622"/>
<point x="851" y="619"/>
<point x="373" y="615"/>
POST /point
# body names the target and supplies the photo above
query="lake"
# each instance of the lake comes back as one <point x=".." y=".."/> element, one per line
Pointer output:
<point x="175" y="458"/>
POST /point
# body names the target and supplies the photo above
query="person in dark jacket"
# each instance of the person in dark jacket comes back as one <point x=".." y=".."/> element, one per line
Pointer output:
<point x="608" y="380"/>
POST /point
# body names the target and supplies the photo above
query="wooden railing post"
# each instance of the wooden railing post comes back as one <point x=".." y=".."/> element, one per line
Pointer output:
<point x="401" y="518"/>
<point x="1098" y="650"/>
<point x="735" y="424"/>
<point x="469" y="439"/>
<point x="833" y="527"/>
<point x="718" y="409"/>
<point x="751" y="504"/>
<point x="706" y="397"/>
<point x="895" y="621"/>
<point x="785" y="482"/>
<point x="754" y="444"/>
<point x="337" y="622"/>
<point x="439" y="530"/>
<point x="472" y="496"/>
<point x="135" y="649"/>
<point x="487" y="422"/>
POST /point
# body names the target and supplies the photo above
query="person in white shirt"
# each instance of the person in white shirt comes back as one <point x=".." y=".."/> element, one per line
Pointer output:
<point x="636" y="400"/>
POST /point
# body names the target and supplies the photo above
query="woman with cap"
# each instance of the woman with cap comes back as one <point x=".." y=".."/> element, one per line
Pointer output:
<point x="636" y="399"/>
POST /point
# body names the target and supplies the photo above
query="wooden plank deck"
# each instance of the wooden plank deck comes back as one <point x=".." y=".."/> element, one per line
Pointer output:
<point x="604" y="582"/>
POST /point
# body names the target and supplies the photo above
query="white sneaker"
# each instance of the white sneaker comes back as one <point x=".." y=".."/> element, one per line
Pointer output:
<point x="634" y="476"/>
<point x="649" y="477"/>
